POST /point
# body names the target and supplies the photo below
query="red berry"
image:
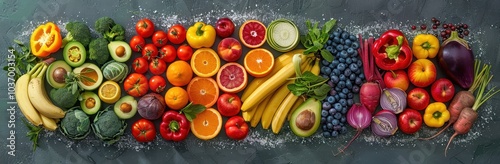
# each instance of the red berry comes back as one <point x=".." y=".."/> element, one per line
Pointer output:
<point x="445" y="26"/>
<point x="413" y="27"/>
<point x="434" y="26"/>
<point x="465" y="26"/>
<point x="423" y="27"/>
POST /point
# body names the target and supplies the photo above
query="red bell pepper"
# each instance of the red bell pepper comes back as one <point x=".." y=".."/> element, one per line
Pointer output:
<point x="174" y="126"/>
<point x="392" y="51"/>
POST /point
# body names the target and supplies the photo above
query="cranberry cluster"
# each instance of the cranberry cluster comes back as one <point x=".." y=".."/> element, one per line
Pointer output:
<point x="447" y="28"/>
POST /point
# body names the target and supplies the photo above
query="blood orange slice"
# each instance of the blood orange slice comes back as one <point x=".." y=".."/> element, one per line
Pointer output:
<point x="207" y="124"/>
<point x="232" y="78"/>
<point x="259" y="62"/>
<point x="203" y="90"/>
<point x="253" y="33"/>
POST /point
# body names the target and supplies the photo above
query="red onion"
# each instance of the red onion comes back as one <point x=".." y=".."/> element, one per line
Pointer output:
<point x="359" y="117"/>
<point x="384" y="123"/>
<point x="393" y="99"/>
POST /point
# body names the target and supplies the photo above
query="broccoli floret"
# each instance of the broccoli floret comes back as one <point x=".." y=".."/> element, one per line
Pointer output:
<point x="116" y="33"/>
<point x="104" y="24"/>
<point x="98" y="50"/>
<point x="77" y="31"/>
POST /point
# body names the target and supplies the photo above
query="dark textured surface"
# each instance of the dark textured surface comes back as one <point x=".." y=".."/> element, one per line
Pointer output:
<point x="18" y="18"/>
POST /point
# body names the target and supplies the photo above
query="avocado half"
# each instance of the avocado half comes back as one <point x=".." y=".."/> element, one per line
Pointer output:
<point x="126" y="107"/>
<point x="90" y="102"/>
<point x="120" y="51"/>
<point x="305" y="120"/>
<point x="56" y="72"/>
<point x="74" y="53"/>
<point x="89" y="71"/>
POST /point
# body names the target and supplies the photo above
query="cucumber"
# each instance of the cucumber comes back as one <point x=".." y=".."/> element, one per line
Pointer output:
<point x="282" y="35"/>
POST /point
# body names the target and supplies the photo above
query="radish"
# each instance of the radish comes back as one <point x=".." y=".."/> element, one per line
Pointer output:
<point x="463" y="99"/>
<point x="468" y="115"/>
<point x="369" y="93"/>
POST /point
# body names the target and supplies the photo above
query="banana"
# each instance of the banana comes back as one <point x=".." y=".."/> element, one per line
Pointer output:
<point x="273" y="104"/>
<point x="282" y="112"/>
<point x="258" y="112"/>
<point x="248" y="115"/>
<point x="271" y="84"/>
<point x="299" y="101"/>
<point x="23" y="100"/>
<point x="49" y="123"/>
<point x="316" y="67"/>
<point x="279" y="63"/>
<point x="39" y="98"/>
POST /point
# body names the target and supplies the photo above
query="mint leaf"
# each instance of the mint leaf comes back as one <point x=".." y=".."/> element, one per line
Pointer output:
<point x="191" y="110"/>
<point x="327" y="55"/>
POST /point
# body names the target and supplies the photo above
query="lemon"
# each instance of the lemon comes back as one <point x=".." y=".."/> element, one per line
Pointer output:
<point x="109" y="92"/>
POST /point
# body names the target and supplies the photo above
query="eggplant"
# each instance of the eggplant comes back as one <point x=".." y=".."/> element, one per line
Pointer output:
<point x="456" y="58"/>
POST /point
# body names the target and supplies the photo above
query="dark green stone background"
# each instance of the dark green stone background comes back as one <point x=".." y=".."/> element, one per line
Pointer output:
<point x="18" y="16"/>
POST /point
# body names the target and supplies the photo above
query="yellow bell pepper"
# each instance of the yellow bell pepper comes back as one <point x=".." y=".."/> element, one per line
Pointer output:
<point x="425" y="46"/>
<point x="200" y="35"/>
<point x="436" y="115"/>
<point x="45" y="40"/>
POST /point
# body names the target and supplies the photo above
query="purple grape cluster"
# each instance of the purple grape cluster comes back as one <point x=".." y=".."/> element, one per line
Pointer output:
<point x="345" y="79"/>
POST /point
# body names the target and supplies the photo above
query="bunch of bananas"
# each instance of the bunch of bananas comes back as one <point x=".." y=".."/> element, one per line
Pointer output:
<point x="33" y="100"/>
<point x="267" y="99"/>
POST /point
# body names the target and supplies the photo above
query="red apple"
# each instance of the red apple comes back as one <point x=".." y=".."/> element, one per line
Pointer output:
<point x="229" y="49"/>
<point x="224" y="27"/>
<point x="236" y="128"/>
<point x="229" y="104"/>
<point x="398" y="79"/>
<point x="422" y="73"/>
<point x="442" y="90"/>
<point x="409" y="121"/>
<point x="418" y="98"/>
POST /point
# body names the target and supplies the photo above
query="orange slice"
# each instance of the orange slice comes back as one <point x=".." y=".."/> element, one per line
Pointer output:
<point x="203" y="90"/>
<point x="207" y="124"/>
<point x="179" y="73"/>
<point x="232" y="78"/>
<point x="109" y="92"/>
<point x="259" y="62"/>
<point x="205" y="62"/>
<point x="253" y="33"/>
<point x="176" y="98"/>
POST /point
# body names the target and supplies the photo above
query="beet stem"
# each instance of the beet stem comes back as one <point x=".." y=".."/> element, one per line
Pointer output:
<point x="350" y="142"/>
<point x="451" y="138"/>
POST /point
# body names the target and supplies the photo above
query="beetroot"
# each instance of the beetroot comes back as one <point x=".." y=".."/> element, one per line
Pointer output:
<point x="370" y="92"/>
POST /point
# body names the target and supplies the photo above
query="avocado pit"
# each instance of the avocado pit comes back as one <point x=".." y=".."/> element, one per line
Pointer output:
<point x="120" y="51"/>
<point x="90" y="102"/>
<point x="305" y="120"/>
<point x="125" y="107"/>
<point x="58" y="75"/>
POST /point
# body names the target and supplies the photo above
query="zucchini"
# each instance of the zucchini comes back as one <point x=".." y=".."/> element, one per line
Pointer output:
<point x="282" y="35"/>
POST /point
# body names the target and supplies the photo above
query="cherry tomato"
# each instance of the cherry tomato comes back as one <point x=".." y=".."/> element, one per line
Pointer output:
<point x="145" y="27"/>
<point x="177" y="34"/>
<point x="150" y="51"/>
<point x="136" y="85"/>
<point x="144" y="130"/>
<point x="167" y="53"/>
<point x="157" y="66"/>
<point x="157" y="84"/>
<point x="184" y="52"/>
<point x="137" y="43"/>
<point x="159" y="38"/>
<point x="140" y="65"/>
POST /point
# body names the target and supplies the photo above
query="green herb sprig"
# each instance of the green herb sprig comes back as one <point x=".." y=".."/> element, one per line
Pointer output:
<point x="24" y="60"/>
<point x="315" y="38"/>
<point x="33" y="133"/>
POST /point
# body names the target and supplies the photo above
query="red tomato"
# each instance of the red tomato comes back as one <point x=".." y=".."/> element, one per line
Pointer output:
<point x="150" y="51"/>
<point x="140" y="65"/>
<point x="236" y="128"/>
<point x="167" y="53"/>
<point x="157" y="84"/>
<point x="144" y="130"/>
<point x="145" y="27"/>
<point x="184" y="52"/>
<point x="157" y="66"/>
<point x="159" y="38"/>
<point x="137" y="43"/>
<point x="177" y="34"/>
<point x="136" y="85"/>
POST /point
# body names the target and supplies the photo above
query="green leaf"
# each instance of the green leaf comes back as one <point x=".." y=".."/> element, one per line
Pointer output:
<point x="309" y="76"/>
<point x="18" y="42"/>
<point x="191" y="110"/>
<point x="329" y="25"/>
<point x="322" y="90"/>
<point x="327" y="55"/>
<point x="33" y="133"/>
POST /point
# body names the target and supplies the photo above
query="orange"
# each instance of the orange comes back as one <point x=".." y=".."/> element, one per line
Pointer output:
<point x="259" y="62"/>
<point x="109" y="92"/>
<point x="203" y="90"/>
<point x="205" y="62"/>
<point x="179" y="73"/>
<point x="207" y="124"/>
<point x="232" y="77"/>
<point x="253" y="33"/>
<point x="176" y="98"/>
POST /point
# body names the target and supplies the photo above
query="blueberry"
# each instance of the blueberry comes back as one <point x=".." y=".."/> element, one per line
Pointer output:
<point x="345" y="91"/>
<point x="353" y="66"/>
<point x="337" y="127"/>
<point x="335" y="122"/>
<point x="329" y="118"/>
<point x="336" y="97"/>
<point x="326" y="70"/>
<point x="352" y="77"/>
<point x="341" y="67"/>
<point x="323" y="126"/>
<point x="336" y="39"/>
<point x="327" y="134"/>
<point x="345" y="35"/>
<point x="326" y="106"/>
<point x="348" y="84"/>
<point x="329" y="48"/>
<point x="355" y="45"/>
<point x="358" y="81"/>
<point x="343" y="53"/>
<point x="334" y="78"/>
<point x="343" y="130"/>
<point x="336" y="33"/>
<point x="329" y="42"/>
<point x="342" y="95"/>
<point x="337" y="106"/>
<point x="344" y="111"/>
<point x="335" y="134"/>
<point x="335" y="63"/>
<point x="355" y="54"/>
<point x="329" y="125"/>
<point x="350" y="50"/>
<point x="324" y="113"/>
<point x="350" y="102"/>
<point x="355" y="59"/>
<point x="343" y="102"/>
<point x="342" y="77"/>
<point x="362" y="76"/>
<point x="324" y="76"/>
<point x="357" y="72"/>
<point x="330" y="99"/>
<point x="353" y="38"/>
<point x="334" y="51"/>
<point x="332" y="111"/>
<point x="359" y="63"/>
<point x="325" y="62"/>
<point x="342" y="60"/>
<point x="330" y="83"/>
<point x="343" y="119"/>
<point x="348" y="42"/>
<point x="335" y="71"/>
<point x="342" y="41"/>
<point x="338" y="89"/>
<point x="339" y="47"/>
<point x="355" y="89"/>
<point x="341" y="84"/>
<point x="346" y="47"/>
<point x="332" y="91"/>
<point x="347" y="72"/>
<point x="350" y="95"/>
<point x="323" y="120"/>
<point x="331" y="36"/>
<point x="348" y="61"/>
